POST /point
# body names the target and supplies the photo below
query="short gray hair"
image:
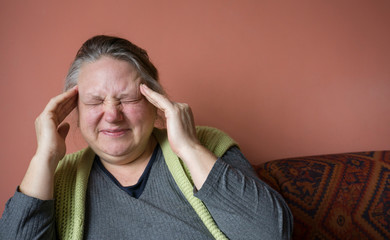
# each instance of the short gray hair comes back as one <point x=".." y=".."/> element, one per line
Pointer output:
<point x="118" y="48"/>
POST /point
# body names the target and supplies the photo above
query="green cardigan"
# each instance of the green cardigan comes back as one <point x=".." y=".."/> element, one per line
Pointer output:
<point x="71" y="180"/>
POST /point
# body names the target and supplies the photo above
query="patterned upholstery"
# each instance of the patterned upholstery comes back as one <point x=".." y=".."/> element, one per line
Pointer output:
<point x="340" y="196"/>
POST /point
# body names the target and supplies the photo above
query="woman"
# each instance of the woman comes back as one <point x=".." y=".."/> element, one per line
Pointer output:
<point x="134" y="180"/>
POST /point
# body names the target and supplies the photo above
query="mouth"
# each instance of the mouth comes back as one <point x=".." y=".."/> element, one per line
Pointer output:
<point x="114" y="132"/>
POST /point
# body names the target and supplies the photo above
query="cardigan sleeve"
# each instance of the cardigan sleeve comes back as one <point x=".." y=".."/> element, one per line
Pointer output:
<point x="26" y="217"/>
<point x="243" y="206"/>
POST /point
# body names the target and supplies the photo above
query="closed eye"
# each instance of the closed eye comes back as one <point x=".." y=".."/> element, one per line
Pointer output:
<point x="91" y="100"/>
<point x="94" y="103"/>
<point x="130" y="101"/>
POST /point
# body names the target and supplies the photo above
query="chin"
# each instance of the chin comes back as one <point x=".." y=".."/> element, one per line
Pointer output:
<point x="113" y="151"/>
<point x="117" y="151"/>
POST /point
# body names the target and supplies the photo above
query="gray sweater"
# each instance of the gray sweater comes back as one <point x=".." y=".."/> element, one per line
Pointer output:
<point x="243" y="207"/>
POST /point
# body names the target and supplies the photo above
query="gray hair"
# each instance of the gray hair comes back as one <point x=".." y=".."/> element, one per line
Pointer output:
<point x="118" y="48"/>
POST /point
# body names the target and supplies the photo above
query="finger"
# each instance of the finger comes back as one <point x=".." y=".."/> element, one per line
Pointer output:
<point x="187" y="117"/>
<point x="155" y="98"/>
<point x="67" y="108"/>
<point x="190" y="116"/>
<point x="63" y="99"/>
<point x="63" y="104"/>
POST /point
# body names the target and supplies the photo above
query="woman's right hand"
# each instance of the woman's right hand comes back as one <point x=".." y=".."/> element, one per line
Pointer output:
<point x="51" y="133"/>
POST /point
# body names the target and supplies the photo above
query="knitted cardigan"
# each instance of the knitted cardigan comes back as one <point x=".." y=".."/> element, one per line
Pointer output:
<point x="71" y="180"/>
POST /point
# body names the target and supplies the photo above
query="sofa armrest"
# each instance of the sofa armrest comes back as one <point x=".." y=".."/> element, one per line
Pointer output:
<point x="339" y="196"/>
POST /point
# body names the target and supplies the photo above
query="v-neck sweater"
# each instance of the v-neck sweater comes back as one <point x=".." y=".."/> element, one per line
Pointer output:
<point x="136" y="189"/>
<point x="71" y="181"/>
<point x="242" y="206"/>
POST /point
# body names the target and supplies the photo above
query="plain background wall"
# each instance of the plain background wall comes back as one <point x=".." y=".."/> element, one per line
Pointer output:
<point x="284" y="78"/>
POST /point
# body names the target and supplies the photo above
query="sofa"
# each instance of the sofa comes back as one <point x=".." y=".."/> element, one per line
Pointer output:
<point x="336" y="196"/>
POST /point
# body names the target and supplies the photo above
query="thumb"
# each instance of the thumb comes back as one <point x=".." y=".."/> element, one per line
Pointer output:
<point x="63" y="130"/>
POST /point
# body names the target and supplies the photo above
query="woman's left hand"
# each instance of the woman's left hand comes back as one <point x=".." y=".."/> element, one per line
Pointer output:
<point x="182" y="135"/>
<point x="179" y="120"/>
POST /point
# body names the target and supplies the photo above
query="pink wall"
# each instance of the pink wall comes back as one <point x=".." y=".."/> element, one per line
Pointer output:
<point x="284" y="79"/>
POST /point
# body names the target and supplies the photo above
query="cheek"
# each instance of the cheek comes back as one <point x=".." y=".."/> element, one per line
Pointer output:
<point x="88" y="117"/>
<point x="144" y="113"/>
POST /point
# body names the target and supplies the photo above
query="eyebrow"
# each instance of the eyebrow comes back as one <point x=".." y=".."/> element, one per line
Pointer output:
<point x="126" y="95"/>
<point x="122" y="96"/>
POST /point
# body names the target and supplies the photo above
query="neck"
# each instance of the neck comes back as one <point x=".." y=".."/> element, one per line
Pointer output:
<point x="129" y="173"/>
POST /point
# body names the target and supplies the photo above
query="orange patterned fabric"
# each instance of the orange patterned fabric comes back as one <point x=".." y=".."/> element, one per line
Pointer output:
<point x="340" y="196"/>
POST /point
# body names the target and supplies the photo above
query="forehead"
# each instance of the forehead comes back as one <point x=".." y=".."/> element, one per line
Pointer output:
<point x="108" y="75"/>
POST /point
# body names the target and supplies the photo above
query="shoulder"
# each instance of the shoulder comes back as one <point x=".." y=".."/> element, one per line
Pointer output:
<point x="215" y="140"/>
<point x="204" y="133"/>
<point x="74" y="161"/>
<point x="71" y="160"/>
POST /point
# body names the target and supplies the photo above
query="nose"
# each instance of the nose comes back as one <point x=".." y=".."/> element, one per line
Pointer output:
<point x="113" y="111"/>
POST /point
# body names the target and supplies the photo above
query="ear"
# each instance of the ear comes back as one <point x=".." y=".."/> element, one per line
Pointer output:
<point x="77" y="116"/>
<point x="63" y="130"/>
<point x="160" y="121"/>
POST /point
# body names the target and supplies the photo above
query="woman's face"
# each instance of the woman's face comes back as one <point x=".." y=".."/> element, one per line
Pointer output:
<point x="114" y="118"/>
